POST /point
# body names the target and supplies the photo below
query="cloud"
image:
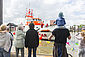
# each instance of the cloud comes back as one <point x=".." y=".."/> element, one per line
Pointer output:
<point x="49" y="1"/>
<point x="45" y="9"/>
<point x="55" y="1"/>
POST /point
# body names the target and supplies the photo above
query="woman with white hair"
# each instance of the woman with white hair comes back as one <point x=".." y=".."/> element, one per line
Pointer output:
<point x="19" y="41"/>
<point x="5" y="42"/>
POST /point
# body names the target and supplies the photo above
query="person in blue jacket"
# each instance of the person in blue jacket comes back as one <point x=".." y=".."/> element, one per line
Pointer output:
<point x="60" y="21"/>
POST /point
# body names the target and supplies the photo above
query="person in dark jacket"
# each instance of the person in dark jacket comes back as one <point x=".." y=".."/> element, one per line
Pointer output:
<point x="31" y="40"/>
<point x="61" y="35"/>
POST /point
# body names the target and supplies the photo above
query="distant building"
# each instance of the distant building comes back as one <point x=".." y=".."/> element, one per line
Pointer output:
<point x="52" y="22"/>
<point x="1" y="15"/>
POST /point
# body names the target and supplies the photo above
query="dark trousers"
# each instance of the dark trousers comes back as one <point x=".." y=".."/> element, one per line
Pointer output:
<point x="30" y="50"/>
<point x="17" y="52"/>
<point x="10" y="49"/>
<point x="10" y="52"/>
<point x="59" y="50"/>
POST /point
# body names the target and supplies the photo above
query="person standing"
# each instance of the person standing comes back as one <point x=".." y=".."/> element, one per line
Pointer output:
<point x="81" y="36"/>
<point x="11" y="39"/>
<point x="20" y="41"/>
<point x="60" y="35"/>
<point x="5" y="42"/>
<point x="31" y="40"/>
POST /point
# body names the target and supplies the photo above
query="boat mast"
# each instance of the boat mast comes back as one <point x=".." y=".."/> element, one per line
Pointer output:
<point x="29" y="13"/>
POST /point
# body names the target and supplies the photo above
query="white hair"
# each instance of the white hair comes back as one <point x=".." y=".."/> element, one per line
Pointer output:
<point x="20" y="27"/>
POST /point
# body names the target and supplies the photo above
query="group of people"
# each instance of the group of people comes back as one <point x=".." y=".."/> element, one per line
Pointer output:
<point x="61" y="33"/>
<point x="30" y="40"/>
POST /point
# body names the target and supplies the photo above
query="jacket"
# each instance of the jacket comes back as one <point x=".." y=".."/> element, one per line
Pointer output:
<point x="31" y="38"/>
<point x="5" y="40"/>
<point x="19" y="40"/>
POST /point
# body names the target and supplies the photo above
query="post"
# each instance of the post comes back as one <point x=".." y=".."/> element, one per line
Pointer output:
<point x="1" y="12"/>
<point x="9" y="27"/>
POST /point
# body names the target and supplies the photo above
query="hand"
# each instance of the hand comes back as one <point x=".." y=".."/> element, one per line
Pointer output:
<point x="49" y="38"/>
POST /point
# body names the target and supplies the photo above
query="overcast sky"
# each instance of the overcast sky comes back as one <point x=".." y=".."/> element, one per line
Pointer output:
<point x="74" y="10"/>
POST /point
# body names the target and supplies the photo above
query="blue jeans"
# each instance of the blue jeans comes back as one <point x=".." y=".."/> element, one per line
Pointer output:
<point x="3" y="53"/>
<point x="59" y="50"/>
<point x="30" y="50"/>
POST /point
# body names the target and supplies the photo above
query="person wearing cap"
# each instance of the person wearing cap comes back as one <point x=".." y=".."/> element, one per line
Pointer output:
<point x="81" y="36"/>
<point x="61" y="35"/>
<point x="19" y="42"/>
<point x="5" y="42"/>
<point x="31" y="40"/>
<point x="60" y="21"/>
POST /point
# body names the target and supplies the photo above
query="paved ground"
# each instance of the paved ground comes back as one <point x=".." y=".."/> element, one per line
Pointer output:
<point x="13" y="53"/>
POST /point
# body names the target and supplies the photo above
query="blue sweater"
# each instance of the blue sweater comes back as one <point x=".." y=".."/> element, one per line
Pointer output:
<point x="60" y="21"/>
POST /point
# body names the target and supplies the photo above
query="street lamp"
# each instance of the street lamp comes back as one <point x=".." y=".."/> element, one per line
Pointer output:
<point x="1" y="12"/>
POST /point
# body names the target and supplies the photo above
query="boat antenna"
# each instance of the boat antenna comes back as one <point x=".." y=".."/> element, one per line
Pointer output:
<point x="29" y="4"/>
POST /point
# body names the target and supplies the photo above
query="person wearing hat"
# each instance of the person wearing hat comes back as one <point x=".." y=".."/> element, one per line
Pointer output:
<point x="5" y="42"/>
<point x="31" y="40"/>
<point x="60" y="21"/>
<point x="81" y="37"/>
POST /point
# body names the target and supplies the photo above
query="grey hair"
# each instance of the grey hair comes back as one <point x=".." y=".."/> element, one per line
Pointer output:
<point x="20" y="27"/>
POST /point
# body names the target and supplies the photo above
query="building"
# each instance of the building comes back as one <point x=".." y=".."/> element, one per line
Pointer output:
<point x="52" y="22"/>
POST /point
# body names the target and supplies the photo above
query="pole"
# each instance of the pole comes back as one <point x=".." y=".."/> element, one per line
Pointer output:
<point x="1" y="12"/>
<point x="10" y="28"/>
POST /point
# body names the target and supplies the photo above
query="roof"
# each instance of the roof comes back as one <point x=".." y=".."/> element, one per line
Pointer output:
<point x="36" y="18"/>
